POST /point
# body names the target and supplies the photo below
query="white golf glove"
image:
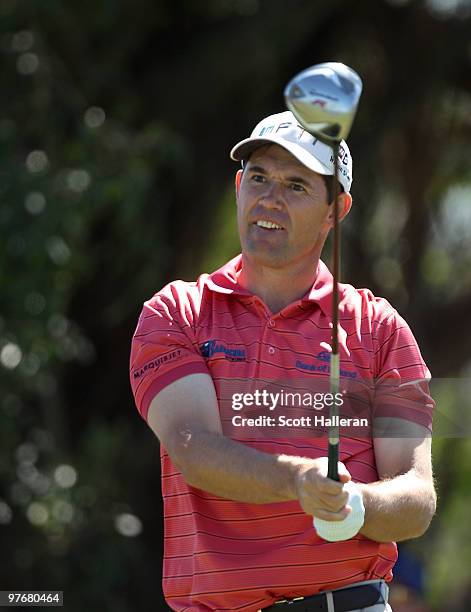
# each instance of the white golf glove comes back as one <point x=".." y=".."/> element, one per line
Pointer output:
<point x="335" y="531"/>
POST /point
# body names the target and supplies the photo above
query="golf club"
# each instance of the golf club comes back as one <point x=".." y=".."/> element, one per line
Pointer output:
<point x="324" y="99"/>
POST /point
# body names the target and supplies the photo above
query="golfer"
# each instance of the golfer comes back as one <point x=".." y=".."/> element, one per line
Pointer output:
<point x="239" y="510"/>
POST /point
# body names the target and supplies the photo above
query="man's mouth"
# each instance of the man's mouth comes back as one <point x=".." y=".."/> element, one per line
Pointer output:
<point x="269" y="225"/>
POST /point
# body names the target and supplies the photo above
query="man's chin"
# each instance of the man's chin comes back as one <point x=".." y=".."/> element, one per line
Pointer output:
<point x="268" y="258"/>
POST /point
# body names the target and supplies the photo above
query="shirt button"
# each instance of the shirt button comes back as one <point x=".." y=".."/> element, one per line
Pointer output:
<point x="271" y="350"/>
<point x="271" y="323"/>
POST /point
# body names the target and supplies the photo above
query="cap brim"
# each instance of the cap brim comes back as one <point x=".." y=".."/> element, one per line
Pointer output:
<point x="244" y="148"/>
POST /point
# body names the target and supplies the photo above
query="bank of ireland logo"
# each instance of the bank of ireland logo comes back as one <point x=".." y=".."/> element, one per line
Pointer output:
<point x="211" y="347"/>
<point x="323" y="356"/>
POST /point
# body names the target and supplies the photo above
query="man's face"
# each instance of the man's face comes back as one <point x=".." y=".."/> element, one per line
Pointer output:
<point x="277" y="189"/>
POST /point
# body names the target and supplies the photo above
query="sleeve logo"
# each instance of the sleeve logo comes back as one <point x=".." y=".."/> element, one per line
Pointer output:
<point x="156" y="363"/>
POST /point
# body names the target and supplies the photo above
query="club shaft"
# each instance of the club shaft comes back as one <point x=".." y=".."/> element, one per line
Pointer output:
<point x="334" y="441"/>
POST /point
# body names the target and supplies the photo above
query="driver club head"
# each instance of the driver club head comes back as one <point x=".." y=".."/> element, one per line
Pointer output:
<point x="324" y="99"/>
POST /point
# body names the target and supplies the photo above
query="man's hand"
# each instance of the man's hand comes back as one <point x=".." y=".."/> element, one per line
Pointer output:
<point x="319" y="495"/>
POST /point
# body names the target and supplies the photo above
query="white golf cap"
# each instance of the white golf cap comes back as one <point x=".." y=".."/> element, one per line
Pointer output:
<point x="284" y="130"/>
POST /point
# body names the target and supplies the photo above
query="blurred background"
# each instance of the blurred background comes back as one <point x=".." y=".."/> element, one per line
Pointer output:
<point x="116" y="119"/>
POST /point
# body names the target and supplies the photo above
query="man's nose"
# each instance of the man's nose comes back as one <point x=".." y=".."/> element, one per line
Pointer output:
<point x="273" y="196"/>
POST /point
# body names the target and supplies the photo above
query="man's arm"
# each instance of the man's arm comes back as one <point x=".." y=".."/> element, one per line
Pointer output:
<point x="185" y="417"/>
<point x="402" y="503"/>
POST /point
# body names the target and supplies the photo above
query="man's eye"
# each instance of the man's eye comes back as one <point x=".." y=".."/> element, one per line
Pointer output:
<point x="297" y="187"/>
<point x="258" y="178"/>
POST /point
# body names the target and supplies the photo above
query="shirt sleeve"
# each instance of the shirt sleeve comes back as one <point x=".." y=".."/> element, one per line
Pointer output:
<point x="402" y="378"/>
<point x="164" y="348"/>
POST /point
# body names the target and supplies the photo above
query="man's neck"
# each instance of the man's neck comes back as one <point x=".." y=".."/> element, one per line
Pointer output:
<point x="275" y="286"/>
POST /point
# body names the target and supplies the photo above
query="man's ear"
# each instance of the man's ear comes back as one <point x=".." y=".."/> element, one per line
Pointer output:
<point x="345" y="204"/>
<point x="238" y="178"/>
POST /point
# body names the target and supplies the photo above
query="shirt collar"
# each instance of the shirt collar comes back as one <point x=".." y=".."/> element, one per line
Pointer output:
<point x="224" y="280"/>
<point x="321" y="290"/>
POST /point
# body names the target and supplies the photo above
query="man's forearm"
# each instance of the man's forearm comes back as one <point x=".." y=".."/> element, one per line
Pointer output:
<point x="230" y="469"/>
<point x="398" y="509"/>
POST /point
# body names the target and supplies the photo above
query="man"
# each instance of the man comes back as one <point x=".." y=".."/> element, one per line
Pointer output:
<point x="238" y="511"/>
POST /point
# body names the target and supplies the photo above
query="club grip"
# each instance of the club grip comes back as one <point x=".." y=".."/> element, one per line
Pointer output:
<point x="333" y="459"/>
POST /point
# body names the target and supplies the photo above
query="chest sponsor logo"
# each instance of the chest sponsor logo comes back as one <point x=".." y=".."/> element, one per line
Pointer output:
<point x="212" y="347"/>
<point x="324" y="357"/>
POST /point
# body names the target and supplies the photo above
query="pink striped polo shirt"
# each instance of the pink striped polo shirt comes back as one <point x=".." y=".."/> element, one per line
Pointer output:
<point x="225" y="555"/>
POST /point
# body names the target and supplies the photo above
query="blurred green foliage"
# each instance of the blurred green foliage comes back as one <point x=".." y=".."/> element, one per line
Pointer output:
<point x="115" y="123"/>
